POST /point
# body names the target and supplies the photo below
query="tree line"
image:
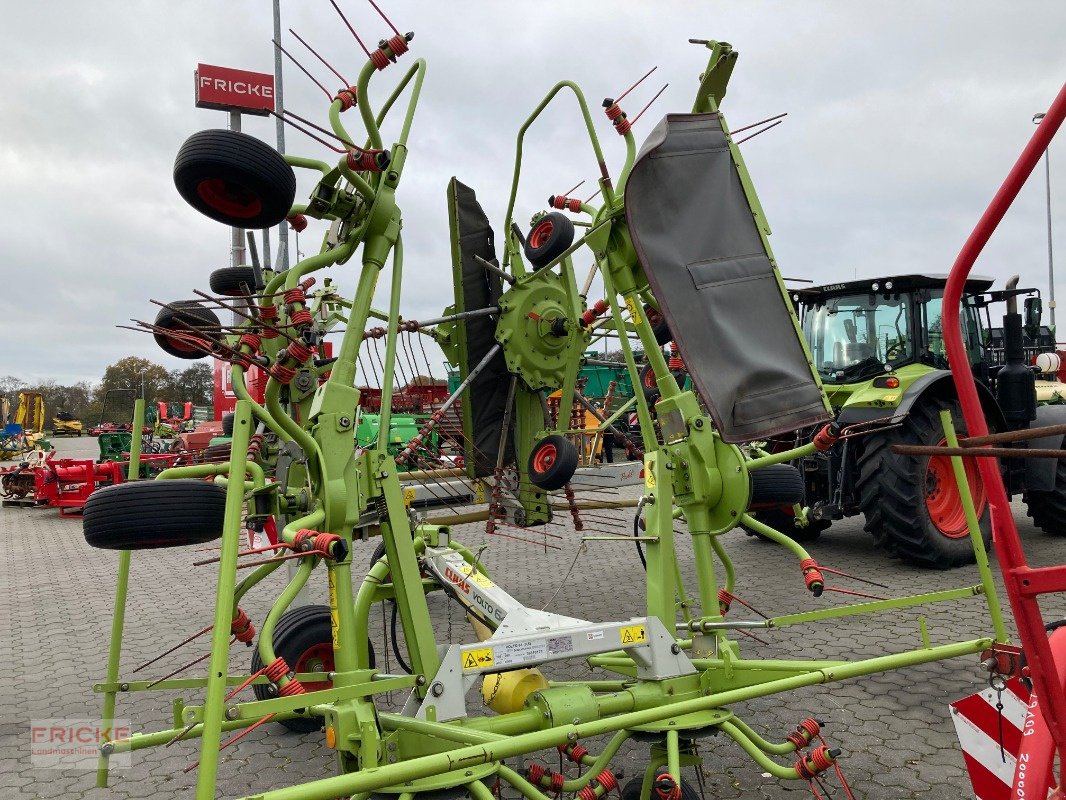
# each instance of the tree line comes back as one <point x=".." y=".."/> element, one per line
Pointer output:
<point x="111" y="400"/>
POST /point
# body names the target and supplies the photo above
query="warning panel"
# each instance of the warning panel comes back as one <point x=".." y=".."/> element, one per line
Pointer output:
<point x="633" y="634"/>
<point x="478" y="659"/>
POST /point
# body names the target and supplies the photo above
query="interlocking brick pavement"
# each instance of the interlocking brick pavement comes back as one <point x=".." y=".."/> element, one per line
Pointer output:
<point x="898" y="741"/>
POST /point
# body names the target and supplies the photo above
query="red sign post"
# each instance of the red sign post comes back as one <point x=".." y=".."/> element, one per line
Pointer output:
<point x="228" y="89"/>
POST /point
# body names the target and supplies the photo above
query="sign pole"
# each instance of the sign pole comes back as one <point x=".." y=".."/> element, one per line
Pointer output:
<point x="279" y="100"/>
<point x="237" y="234"/>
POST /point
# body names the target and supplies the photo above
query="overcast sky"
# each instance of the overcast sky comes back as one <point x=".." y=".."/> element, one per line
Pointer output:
<point x="903" y="119"/>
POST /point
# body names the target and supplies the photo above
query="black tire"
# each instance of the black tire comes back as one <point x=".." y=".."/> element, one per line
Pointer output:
<point x="552" y="462"/>
<point x="1048" y="509"/>
<point x="548" y="239"/>
<point x="777" y="484"/>
<point x="227" y="424"/>
<point x="304" y="638"/>
<point x="188" y="317"/>
<point x="780" y="485"/>
<point x="233" y="281"/>
<point x="658" y="326"/>
<point x="648" y="384"/>
<point x="235" y="179"/>
<point x="631" y="790"/>
<point x="144" y="515"/>
<point x="900" y="495"/>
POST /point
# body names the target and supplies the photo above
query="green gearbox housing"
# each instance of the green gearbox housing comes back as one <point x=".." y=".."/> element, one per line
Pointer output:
<point x="540" y="337"/>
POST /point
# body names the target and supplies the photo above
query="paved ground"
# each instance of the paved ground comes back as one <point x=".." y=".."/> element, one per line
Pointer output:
<point x="55" y="614"/>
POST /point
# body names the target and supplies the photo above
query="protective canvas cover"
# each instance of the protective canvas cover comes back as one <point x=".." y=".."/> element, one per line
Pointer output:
<point x="696" y="238"/>
<point x="485" y="400"/>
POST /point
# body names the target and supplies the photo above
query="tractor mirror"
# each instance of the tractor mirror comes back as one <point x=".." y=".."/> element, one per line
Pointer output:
<point x="1033" y="307"/>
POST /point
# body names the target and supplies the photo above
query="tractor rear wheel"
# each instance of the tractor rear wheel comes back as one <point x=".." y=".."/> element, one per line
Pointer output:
<point x="1048" y="509"/>
<point x="304" y="638"/>
<point x="235" y="179"/>
<point x="911" y="503"/>
<point x="143" y="515"/>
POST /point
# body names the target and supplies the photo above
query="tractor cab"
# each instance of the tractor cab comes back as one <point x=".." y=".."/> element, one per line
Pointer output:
<point x="861" y="331"/>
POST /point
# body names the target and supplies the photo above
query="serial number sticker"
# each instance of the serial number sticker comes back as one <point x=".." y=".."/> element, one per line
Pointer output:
<point x="476" y="659"/>
<point x="520" y="652"/>
<point x="560" y="644"/>
<point x="633" y="634"/>
<point x="408" y="497"/>
<point x="634" y="312"/>
<point x="594" y="635"/>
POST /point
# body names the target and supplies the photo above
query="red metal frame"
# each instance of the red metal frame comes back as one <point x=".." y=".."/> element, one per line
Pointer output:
<point x="1023" y="583"/>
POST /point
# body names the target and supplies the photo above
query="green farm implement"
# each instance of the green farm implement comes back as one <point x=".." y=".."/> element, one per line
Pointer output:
<point x="679" y="238"/>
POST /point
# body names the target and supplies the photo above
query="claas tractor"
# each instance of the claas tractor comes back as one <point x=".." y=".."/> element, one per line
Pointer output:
<point x="878" y="347"/>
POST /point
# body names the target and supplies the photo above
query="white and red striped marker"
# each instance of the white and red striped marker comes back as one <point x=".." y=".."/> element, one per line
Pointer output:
<point x="977" y="723"/>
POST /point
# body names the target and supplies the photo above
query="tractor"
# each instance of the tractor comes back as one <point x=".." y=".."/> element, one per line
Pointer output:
<point x="878" y="347"/>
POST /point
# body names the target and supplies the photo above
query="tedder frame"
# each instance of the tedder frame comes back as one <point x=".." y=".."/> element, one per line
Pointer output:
<point x="679" y="669"/>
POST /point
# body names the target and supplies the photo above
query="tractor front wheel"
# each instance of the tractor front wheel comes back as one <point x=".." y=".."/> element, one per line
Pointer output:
<point x="1048" y="509"/>
<point x="304" y="638"/>
<point x="912" y="503"/>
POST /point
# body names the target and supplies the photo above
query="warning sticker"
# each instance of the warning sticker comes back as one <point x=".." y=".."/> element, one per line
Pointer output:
<point x="334" y="617"/>
<point x="559" y="644"/>
<point x="479" y="491"/>
<point x="476" y="577"/>
<point x="633" y="634"/>
<point x="408" y="497"/>
<point x="634" y="312"/>
<point x="477" y="659"/>
<point x="520" y="652"/>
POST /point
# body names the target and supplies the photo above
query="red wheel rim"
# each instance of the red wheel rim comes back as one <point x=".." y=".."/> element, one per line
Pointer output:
<point x="316" y="658"/>
<point x="649" y="379"/>
<point x="229" y="198"/>
<point x="942" y="499"/>
<point x="540" y="234"/>
<point x="183" y="345"/>
<point x="544" y="458"/>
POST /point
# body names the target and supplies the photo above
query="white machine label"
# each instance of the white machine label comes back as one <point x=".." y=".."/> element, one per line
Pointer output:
<point x="558" y="645"/>
<point x="520" y="652"/>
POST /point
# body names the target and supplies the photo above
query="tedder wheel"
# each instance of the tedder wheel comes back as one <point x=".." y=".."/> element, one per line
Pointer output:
<point x="648" y="384"/>
<point x="233" y="281"/>
<point x="304" y="638"/>
<point x="774" y="489"/>
<point x="227" y="424"/>
<point x="235" y="179"/>
<point x="549" y="238"/>
<point x="143" y="515"/>
<point x="552" y="462"/>
<point x="192" y="319"/>
<point x="1048" y="509"/>
<point x="658" y="325"/>
<point x="631" y="790"/>
<point x="911" y="503"/>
